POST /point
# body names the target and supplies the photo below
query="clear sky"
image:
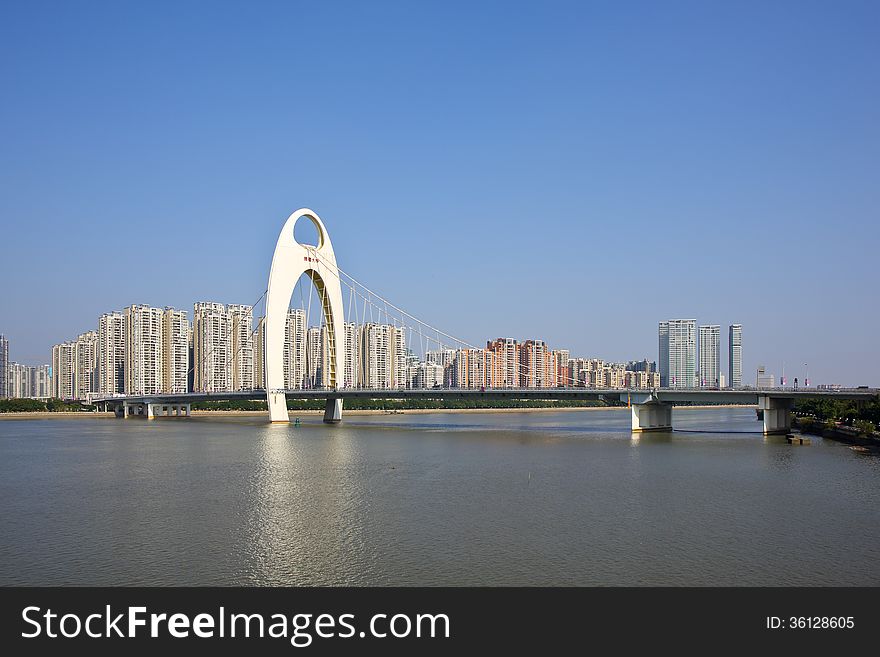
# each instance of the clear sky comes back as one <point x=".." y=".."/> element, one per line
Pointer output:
<point x="568" y="171"/>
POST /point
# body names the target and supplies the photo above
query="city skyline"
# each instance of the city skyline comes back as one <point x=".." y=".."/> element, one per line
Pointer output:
<point x="692" y="366"/>
<point x="591" y="140"/>
<point x="224" y="347"/>
<point x="147" y="350"/>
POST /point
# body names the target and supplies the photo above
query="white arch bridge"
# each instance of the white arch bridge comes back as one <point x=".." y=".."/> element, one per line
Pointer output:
<point x="293" y="261"/>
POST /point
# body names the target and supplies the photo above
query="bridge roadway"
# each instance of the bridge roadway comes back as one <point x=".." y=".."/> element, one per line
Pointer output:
<point x="651" y="409"/>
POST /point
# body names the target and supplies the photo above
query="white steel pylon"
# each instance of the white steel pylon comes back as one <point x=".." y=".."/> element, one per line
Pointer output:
<point x="290" y="261"/>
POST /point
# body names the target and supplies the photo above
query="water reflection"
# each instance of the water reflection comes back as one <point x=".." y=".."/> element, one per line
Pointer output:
<point x="305" y="521"/>
<point x="650" y="437"/>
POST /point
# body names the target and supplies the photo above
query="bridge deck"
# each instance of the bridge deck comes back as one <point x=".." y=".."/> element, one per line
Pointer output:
<point x="745" y="396"/>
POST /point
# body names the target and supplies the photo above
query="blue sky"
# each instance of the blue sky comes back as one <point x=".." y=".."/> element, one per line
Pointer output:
<point x="568" y="171"/>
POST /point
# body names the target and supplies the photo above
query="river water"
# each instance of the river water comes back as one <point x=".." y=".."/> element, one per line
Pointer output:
<point x="517" y="498"/>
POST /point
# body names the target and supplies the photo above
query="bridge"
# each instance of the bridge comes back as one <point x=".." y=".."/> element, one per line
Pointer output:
<point x="651" y="409"/>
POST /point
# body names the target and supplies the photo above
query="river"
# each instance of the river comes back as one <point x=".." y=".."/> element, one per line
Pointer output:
<point x="516" y="498"/>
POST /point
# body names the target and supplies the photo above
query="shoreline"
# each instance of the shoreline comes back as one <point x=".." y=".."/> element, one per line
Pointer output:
<point x="45" y="415"/>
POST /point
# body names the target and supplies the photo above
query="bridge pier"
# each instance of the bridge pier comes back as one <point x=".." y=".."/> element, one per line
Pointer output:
<point x="650" y="414"/>
<point x="653" y="416"/>
<point x="777" y="414"/>
<point x="277" y="407"/>
<point x="333" y="411"/>
<point x="179" y="410"/>
<point x="152" y="410"/>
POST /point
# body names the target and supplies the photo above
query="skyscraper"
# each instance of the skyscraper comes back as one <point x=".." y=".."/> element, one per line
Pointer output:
<point x="398" y="357"/>
<point x="315" y="341"/>
<point x="4" y="366"/>
<point x="19" y="381"/>
<point x="41" y="381"/>
<point x="175" y="350"/>
<point x="86" y="365"/>
<point x="472" y="368"/>
<point x="678" y="342"/>
<point x="241" y="320"/>
<point x="710" y="356"/>
<point x="382" y="357"/>
<point x="212" y="348"/>
<point x="260" y="354"/>
<point x="63" y="370"/>
<point x="143" y="350"/>
<point x="428" y="375"/>
<point x="350" y="367"/>
<point x="506" y="362"/>
<point x="28" y="381"/>
<point x="295" y="349"/>
<point x="563" y="375"/>
<point x="442" y="356"/>
<point x="111" y="353"/>
<point x="663" y="357"/>
<point x="535" y="360"/>
<point x="734" y="378"/>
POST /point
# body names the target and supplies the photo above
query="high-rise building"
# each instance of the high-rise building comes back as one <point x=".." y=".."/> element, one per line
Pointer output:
<point x="4" y="366"/>
<point x="315" y="356"/>
<point x="710" y="356"/>
<point x="111" y="353"/>
<point x="295" y="349"/>
<point x="350" y="366"/>
<point x="426" y="375"/>
<point x="260" y="354"/>
<point x="212" y="348"/>
<point x="86" y="365"/>
<point x="144" y="350"/>
<point x="175" y="351"/>
<point x="506" y="362"/>
<point x="678" y="343"/>
<point x="763" y="379"/>
<point x="563" y="374"/>
<point x="643" y="365"/>
<point x="442" y="357"/>
<point x="41" y="381"/>
<point x="536" y="365"/>
<point x="398" y="357"/>
<point x="191" y="375"/>
<point x="735" y="355"/>
<point x="26" y="381"/>
<point x="376" y="349"/>
<point x="241" y="329"/>
<point x="472" y="368"/>
<point x="18" y="381"/>
<point x="64" y="370"/>
<point x="663" y="356"/>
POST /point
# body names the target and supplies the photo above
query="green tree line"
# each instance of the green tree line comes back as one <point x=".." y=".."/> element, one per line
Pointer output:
<point x="863" y="416"/>
<point x="40" y="405"/>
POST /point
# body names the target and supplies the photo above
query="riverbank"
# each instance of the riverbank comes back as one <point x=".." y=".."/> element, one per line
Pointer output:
<point x="841" y="434"/>
<point x="43" y="415"/>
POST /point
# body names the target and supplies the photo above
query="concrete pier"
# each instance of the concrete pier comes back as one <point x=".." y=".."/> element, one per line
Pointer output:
<point x="277" y="407"/>
<point x="650" y="414"/>
<point x="333" y="411"/>
<point x="777" y="414"/>
<point x="152" y="410"/>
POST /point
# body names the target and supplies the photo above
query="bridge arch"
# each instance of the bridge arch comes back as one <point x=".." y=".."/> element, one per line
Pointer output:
<point x="290" y="261"/>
